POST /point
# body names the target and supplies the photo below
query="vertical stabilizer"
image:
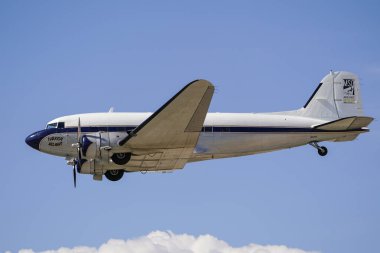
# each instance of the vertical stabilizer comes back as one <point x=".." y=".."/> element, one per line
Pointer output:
<point x="337" y="96"/>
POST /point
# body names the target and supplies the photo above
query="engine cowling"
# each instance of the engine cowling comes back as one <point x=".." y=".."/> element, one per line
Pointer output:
<point x="97" y="153"/>
<point x="91" y="167"/>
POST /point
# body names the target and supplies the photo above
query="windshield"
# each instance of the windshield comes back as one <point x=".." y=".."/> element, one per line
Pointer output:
<point x="55" y="125"/>
<point x="51" y="125"/>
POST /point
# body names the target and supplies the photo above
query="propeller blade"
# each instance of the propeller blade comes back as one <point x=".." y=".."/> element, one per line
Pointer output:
<point x="79" y="141"/>
<point x="79" y="131"/>
<point x="75" y="177"/>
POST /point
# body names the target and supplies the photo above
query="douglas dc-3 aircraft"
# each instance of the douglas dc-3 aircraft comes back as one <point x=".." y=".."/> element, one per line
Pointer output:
<point x="182" y="131"/>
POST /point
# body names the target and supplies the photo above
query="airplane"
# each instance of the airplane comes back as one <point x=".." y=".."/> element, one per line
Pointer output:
<point x="182" y="131"/>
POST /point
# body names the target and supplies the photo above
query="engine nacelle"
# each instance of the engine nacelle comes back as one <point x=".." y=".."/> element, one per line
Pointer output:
<point x="99" y="153"/>
<point x="91" y="167"/>
<point x="121" y="158"/>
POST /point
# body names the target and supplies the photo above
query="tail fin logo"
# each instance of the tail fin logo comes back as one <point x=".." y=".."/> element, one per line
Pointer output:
<point x="348" y="87"/>
<point x="348" y="91"/>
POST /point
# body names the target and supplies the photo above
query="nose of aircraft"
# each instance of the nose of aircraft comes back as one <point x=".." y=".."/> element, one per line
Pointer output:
<point x="33" y="140"/>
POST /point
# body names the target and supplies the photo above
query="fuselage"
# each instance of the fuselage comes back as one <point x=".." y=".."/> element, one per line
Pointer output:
<point x="223" y="134"/>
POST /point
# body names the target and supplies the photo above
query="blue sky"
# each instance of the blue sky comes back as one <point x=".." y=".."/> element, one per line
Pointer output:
<point x="66" y="57"/>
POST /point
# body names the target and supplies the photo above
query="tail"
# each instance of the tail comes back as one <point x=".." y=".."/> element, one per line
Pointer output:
<point x="336" y="97"/>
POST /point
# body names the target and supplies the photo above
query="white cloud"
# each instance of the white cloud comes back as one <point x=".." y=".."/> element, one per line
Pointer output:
<point x="168" y="242"/>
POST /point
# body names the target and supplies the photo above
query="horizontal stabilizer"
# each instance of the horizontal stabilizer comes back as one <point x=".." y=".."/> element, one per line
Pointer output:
<point x="349" y="123"/>
<point x="349" y="137"/>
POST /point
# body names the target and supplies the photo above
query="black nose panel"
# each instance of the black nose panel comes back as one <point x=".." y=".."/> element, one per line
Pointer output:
<point x="34" y="139"/>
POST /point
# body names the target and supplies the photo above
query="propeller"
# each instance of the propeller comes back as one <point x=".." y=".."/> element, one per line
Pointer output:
<point x="79" y="144"/>
<point x="78" y="161"/>
<point x="75" y="177"/>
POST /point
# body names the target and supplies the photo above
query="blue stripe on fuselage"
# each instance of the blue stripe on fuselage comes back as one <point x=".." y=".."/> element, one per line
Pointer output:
<point x="206" y="129"/>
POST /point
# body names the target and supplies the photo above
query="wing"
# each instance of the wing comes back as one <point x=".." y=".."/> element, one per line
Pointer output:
<point x="166" y="140"/>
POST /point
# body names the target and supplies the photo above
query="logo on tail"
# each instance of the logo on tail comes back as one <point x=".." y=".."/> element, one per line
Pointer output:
<point x="348" y="91"/>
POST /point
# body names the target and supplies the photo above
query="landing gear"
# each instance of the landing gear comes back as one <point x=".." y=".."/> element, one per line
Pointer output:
<point x="121" y="158"/>
<point x="322" y="150"/>
<point x="114" y="175"/>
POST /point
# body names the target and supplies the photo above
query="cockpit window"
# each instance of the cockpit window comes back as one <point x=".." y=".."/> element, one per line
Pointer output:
<point x="55" y="125"/>
<point x="51" y="125"/>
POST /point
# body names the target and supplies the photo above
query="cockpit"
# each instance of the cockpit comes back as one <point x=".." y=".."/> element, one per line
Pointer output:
<point x="55" y="125"/>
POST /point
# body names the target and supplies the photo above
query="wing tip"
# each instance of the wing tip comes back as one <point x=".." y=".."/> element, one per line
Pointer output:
<point x="201" y="82"/>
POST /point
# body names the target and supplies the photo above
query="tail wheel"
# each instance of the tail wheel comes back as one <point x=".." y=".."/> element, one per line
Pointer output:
<point x="322" y="151"/>
<point x="121" y="158"/>
<point x="114" y="175"/>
